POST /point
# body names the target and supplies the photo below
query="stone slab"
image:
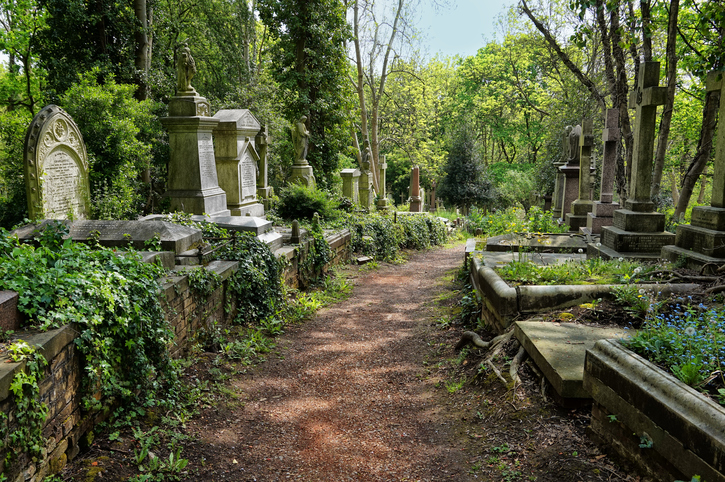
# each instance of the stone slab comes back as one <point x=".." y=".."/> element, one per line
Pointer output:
<point x="555" y="243"/>
<point x="628" y="220"/>
<point x="597" y="250"/>
<point x="173" y="237"/>
<point x="575" y="222"/>
<point x="604" y="209"/>
<point x="253" y="209"/>
<point x="596" y="223"/>
<point x="708" y="217"/>
<point x="254" y="224"/>
<point x="272" y="239"/>
<point x="626" y="241"/>
<point x="9" y="315"/>
<point x="691" y="259"/>
<point x="559" y="349"/>
<point x="702" y="240"/>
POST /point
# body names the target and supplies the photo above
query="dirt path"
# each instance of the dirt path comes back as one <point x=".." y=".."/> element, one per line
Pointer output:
<point x="346" y="398"/>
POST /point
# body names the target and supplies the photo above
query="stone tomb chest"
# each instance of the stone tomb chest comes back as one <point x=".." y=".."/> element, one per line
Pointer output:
<point x="237" y="160"/>
<point x="56" y="167"/>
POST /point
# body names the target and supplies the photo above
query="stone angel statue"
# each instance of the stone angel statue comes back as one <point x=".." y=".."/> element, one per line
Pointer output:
<point x="185" y="70"/>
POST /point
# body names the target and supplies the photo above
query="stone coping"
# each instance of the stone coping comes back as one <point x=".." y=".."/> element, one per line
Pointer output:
<point x="547" y="242"/>
<point x="685" y="427"/>
<point x="505" y="303"/>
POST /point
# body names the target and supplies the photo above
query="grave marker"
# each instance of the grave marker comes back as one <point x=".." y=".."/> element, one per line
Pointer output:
<point x="558" y="196"/>
<point x="415" y="199"/>
<point x="350" y="179"/>
<point x="603" y="211"/>
<point x="583" y="205"/>
<point x="570" y="170"/>
<point x="382" y="203"/>
<point x="56" y="167"/>
<point x="365" y="186"/>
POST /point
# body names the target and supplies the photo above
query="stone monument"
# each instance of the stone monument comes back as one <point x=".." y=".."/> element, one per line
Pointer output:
<point x="603" y="210"/>
<point x="264" y="190"/>
<point x="577" y="218"/>
<point x="558" y="196"/>
<point x="301" y="169"/>
<point x="703" y="240"/>
<point x="350" y="178"/>
<point x="56" y="167"/>
<point x="365" y="186"/>
<point x="237" y="160"/>
<point x="193" y="184"/>
<point x="570" y="170"/>
<point x="638" y="230"/>
<point x="416" y="203"/>
<point x="382" y="203"/>
<point x="432" y="203"/>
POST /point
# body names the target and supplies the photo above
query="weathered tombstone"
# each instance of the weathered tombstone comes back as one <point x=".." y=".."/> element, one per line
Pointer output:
<point x="583" y="205"/>
<point x="56" y="167"/>
<point x="301" y="169"/>
<point x="237" y="160"/>
<point x="382" y="203"/>
<point x="432" y="204"/>
<point x="415" y="199"/>
<point x="638" y="230"/>
<point x="295" y="237"/>
<point x="703" y="240"/>
<point x="570" y="170"/>
<point x="603" y="211"/>
<point x="350" y="181"/>
<point x="264" y="190"/>
<point x="365" y="186"/>
<point x="193" y="184"/>
<point x="558" y="196"/>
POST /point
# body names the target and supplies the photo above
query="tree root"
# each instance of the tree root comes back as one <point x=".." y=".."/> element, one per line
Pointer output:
<point x="494" y="347"/>
<point x="515" y="364"/>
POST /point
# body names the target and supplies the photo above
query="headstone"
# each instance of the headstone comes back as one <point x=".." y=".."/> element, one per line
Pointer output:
<point x="365" y="186"/>
<point x="237" y="160"/>
<point x="583" y="205"/>
<point x="301" y="169"/>
<point x="264" y="190"/>
<point x="603" y="211"/>
<point x="350" y="182"/>
<point x="570" y="170"/>
<point x="402" y="199"/>
<point x="295" y="239"/>
<point x="121" y="234"/>
<point x="638" y="231"/>
<point x="56" y="167"/>
<point x="415" y="199"/>
<point x="382" y="203"/>
<point x="432" y="205"/>
<point x="193" y="184"/>
<point x="703" y="240"/>
<point x="558" y="196"/>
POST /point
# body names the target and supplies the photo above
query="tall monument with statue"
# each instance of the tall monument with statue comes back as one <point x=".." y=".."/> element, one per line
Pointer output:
<point x="301" y="169"/>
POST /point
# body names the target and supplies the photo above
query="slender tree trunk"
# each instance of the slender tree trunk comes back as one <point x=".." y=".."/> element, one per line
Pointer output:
<point x="666" y="120"/>
<point x="704" y="148"/>
<point x="626" y="143"/>
<point x="675" y="191"/>
<point x="645" y="11"/>
<point x="142" y="49"/>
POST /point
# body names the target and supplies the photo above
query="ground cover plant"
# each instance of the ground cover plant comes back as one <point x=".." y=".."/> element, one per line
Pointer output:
<point x="589" y="271"/>
<point x="513" y="220"/>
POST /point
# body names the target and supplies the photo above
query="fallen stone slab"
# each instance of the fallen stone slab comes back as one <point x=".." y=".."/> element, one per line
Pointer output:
<point x="552" y="243"/>
<point x="559" y="350"/>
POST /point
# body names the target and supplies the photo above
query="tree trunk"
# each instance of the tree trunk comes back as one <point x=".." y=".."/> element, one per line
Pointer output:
<point x="645" y="11"/>
<point x="675" y="191"/>
<point x="704" y="149"/>
<point x="142" y="57"/>
<point x="624" y="161"/>
<point x="666" y="120"/>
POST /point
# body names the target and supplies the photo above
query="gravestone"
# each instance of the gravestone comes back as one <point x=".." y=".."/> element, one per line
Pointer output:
<point x="638" y="230"/>
<point x="583" y="205"/>
<point x="416" y="203"/>
<point x="570" y="170"/>
<point x="365" y="186"/>
<point x="603" y="211"/>
<point x="301" y="169"/>
<point x="350" y="182"/>
<point x="264" y="190"/>
<point x="558" y="196"/>
<point x="432" y="204"/>
<point x="56" y="167"/>
<point x="703" y="240"/>
<point x="193" y="184"/>
<point x="382" y="203"/>
<point x="237" y="160"/>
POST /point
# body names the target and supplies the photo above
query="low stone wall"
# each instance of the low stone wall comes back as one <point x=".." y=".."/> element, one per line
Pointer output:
<point x="66" y="424"/>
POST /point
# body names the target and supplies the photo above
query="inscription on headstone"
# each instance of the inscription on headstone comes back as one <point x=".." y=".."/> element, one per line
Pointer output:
<point x="249" y="177"/>
<point x="56" y="167"/>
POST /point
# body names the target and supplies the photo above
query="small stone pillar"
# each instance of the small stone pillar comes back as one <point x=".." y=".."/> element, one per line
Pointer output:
<point x="192" y="185"/>
<point x="570" y="170"/>
<point x="703" y="241"/>
<point x="264" y="190"/>
<point x="638" y="230"/>
<point x="350" y="179"/>
<point x="295" y="234"/>
<point x="416" y="203"/>
<point x="432" y="204"/>
<point x="577" y="218"/>
<point x="382" y="203"/>
<point x="603" y="210"/>
<point x="558" y="196"/>
<point x="365" y="188"/>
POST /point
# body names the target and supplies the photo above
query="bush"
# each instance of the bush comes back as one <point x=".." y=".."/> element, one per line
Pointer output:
<point x="13" y="203"/>
<point x="377" y="236"/>
<point x="300" y="202"/>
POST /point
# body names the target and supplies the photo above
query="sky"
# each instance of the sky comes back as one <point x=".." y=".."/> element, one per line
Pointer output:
<point x="461" y="29"/>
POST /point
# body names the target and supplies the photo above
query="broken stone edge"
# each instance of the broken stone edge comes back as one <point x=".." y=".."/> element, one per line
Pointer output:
<point x="685" y="427"/>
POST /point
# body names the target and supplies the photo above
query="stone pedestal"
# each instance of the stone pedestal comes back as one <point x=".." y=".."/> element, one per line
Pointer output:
<point x="570" y="190"/>
<point x="558" y="196"/>
<point x="365" y="189"/>
<point x="416" y="201"/>
<point x="603" y="211"/>
<point x="192" y="183"/>
<point x="602" y="215"/>
<point x="302" y="174"/>
<point x="577" y="218"/>
<point x="350" y="184"/>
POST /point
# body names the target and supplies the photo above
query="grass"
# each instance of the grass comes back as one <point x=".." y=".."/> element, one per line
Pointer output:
<point x="590" y="271"/>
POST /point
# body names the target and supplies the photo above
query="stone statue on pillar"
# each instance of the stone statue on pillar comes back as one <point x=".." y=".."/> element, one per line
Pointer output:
<point x="185" y="71"/>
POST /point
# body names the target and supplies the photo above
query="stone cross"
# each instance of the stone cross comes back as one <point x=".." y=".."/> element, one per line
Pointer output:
<point x="382" y="196"/>
<point x="586" y="141"/>
<point x="610" y="136"/>
<point x="402" y="199"/>
<point x="716" y="82"/>
<point x="645" y="100"/>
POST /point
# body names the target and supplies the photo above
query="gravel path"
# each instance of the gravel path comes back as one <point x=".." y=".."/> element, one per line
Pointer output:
<point x="345" y="400"/>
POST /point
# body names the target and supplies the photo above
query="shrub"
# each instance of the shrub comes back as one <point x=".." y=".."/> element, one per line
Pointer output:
<point x="300" y="202"/>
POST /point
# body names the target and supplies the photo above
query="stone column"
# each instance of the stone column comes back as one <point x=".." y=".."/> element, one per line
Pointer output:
<point x="558" y="196"/>
<point x="603" y="210"/>
<point x="193" y="185"/>
<point x="350" y="178"/>
<point x="366" y="183"/>
<point x="583" y="205"/>
<point x="638" y="231"/>
<point x="703" y="241"/>
<point x="264" y="190"/>
<point x="570" y="170"/>
<point x="382" y="196"/>
<point x="432" y="206"/>
<point x="416" y="203"/>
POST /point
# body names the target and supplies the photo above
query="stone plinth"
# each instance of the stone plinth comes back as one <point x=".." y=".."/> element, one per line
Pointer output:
<point x="193" y="184"/>
<point x="365" y="189"/>
<point x="237" y="160"/>
<point x="416" y="201"/>
<point x="350" y="184"/>
<point x="302" y="175"/>
<point x="602" y="215"/>
<point x="570" y="191"/>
